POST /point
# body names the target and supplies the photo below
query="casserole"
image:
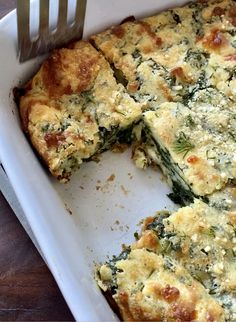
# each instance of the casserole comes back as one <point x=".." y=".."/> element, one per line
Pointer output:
<point x="73" y="223"/>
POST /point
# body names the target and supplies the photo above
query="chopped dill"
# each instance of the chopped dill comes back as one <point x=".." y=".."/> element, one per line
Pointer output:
<point x="88" y="96"/>
<point x="182" y="145"/>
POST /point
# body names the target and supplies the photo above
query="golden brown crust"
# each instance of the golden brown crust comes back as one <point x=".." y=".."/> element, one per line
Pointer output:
<point x="82" y="66"/>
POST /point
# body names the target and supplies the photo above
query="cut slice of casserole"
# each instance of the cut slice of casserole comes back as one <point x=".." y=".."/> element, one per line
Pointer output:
<point x="203" y="240"/>
<point x="182" y="262"/>
<point x="168" y="57"/>
<point x="151" y="287"/>
<point x="195" y="144"/>
<point x="74" y="108"/>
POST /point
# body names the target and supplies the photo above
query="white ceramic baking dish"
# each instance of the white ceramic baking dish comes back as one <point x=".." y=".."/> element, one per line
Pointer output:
<point x="76" y="224"/>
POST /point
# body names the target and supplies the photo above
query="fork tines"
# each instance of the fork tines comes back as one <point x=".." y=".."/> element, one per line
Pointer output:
<point x="47" y="40"/>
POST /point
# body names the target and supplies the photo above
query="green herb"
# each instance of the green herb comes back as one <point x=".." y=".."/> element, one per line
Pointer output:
<point x="119" y="112"/>
<point x="204" y="252"/>
<point x="180" y="194"/>
<point x="184" y="41"/>
<point x="189" y="121"/>
<point x="233" y="43"/>
<point x="166" y="245"/>
<point x="232" y="135"/>
<point x="197" y="276"/>
<point x="196" y="59"/>
<point x="233" y="227"/>
<point x="232" y="32"/>
<point x="140" y="286"/>
<point x="136" y="54"/>
<point x="119" y="76"/>
<point x="157" y="224"/>
<point x="208" y="157"/>
<point x="65" y="124"/>
<point x="211" y="232"/>
<point x="112" y="265"/>
<point x="182" y="145"/>
<point x="74" y="99"/>
<point x="214" y="287"/>
<point x="168" y="264"/>
<point x="88" y="96"/>
<point x="175" y="16"/>
<point x="136" y="236"/>
<point x="150" y="274"/>
<point x="45" y="127"/>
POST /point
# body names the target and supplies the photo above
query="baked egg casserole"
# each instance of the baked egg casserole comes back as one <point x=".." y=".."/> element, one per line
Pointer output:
<point x="166" y="85"/>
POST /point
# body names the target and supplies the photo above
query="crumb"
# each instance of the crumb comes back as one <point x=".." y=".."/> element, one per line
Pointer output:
<point x="81" y="187"/>
<point x="111" y="178"/>
<point x="96" y="158"/>
<point x="124" y="190"/>
<point x="119" y="147"/>
<point x="119" y="206"/>
<point x="106" y="187"/>
<point x="124" y="247"/>
<point x="154" y="166"/>
<point x="162" y="178"/>
<point x="130" y="176"/>
<point x="68" y="209"/>
<point x="117" y="222"/>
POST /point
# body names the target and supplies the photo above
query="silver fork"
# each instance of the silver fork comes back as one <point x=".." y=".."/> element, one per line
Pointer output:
<point x="46" y="40"/>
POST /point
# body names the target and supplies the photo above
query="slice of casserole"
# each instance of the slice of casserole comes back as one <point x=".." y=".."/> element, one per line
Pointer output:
<point x="203" y="240"/>
<point x="168" y="57"/>
<point x="145" y="54"/>
<point x="195" y="144"/>
<point x="182" y="262"/>
<point x="151" y="287"/>
<point x="74" y="108"/>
